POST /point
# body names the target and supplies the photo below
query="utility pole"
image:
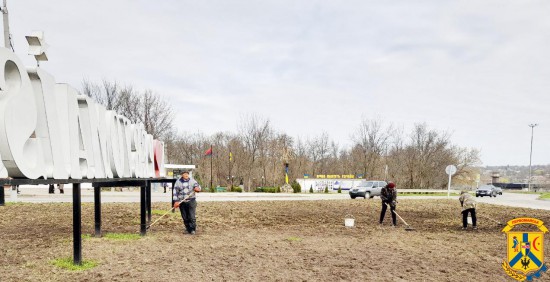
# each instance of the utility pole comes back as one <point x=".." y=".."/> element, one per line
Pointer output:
<point x="531" y="156"/>
<point x="7" y="39"/>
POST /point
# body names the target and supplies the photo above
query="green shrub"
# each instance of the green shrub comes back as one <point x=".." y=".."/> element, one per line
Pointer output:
<point x="296" y="187"/>
<point x="237" y="189"/>
<point x="268" y="189"/>
<point x="339" y="190"/>
<point x="278" y="190"/>
<point x="326" y="189"/>
<point x="311" y="189"/>
<point x="212" y="190"/>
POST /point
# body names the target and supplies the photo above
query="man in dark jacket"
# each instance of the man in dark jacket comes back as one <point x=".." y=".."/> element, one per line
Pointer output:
<point x="389" y="197"/>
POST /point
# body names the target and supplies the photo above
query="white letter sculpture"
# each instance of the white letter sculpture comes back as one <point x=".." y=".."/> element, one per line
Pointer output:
<point x="49" y="130"/>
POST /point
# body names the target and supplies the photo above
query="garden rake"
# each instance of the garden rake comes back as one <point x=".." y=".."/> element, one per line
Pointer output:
<point x="407" y="226"/>
<point x="160" y="218"/>
<point x="186" y="199"/>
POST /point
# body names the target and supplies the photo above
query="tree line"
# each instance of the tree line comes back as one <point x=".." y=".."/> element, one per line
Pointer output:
<point x="256" y="154"/>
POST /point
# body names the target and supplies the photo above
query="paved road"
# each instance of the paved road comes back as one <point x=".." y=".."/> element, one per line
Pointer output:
<point x="517" y="200"/>
<point x="40" y="195"/>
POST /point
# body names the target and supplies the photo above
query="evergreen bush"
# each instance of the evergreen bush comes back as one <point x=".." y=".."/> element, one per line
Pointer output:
<point x="296" y="187"/>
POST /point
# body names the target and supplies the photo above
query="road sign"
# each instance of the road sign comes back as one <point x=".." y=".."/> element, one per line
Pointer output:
<point x="450" y="169"/>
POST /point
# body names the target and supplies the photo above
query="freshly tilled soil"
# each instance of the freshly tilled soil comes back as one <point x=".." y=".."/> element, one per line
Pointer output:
<point x="262" y="241"/>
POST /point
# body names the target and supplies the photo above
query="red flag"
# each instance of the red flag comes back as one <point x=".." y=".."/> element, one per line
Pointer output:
<point x="208" y="152"/>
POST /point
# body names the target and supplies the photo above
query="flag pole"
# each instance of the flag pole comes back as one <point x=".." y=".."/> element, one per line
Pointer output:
<point x="229" y="174"/>
<point x="211" y="176"/>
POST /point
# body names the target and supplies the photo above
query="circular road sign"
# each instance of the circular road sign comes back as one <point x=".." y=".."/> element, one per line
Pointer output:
<point x="450" y="169"/>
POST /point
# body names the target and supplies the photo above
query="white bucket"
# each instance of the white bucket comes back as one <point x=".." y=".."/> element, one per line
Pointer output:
<point x="349" y="220"/>
<point x="470" y="220"/>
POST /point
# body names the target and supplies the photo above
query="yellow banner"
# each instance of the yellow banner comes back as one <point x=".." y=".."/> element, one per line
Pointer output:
<point x="335" y="176"/>
<point x="525" y="220"/>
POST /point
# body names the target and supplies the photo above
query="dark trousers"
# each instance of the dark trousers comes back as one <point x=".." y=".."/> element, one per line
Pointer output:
<point x="187" y="210"/>
<point x="383" y="213"/>
<point x="465" y="217"/>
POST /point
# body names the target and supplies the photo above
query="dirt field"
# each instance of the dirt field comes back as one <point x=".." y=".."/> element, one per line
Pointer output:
<point x="262" y="241"/>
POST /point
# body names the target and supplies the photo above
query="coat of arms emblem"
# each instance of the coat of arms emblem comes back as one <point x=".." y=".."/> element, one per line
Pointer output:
<point x="525" y="259"/>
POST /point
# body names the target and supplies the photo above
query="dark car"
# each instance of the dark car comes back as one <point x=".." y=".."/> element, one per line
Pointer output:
<point x="486" y="190"/>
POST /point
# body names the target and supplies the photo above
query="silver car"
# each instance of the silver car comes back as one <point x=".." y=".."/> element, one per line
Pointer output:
<point x="367" y="189"/>
<point x="486" y="190"/>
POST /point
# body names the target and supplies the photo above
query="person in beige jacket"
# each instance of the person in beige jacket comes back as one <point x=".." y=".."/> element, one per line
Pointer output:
<point x="468" y="204"/>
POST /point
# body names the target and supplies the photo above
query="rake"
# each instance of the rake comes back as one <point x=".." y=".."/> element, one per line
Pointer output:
<point x="159" y="218"/>
<point x="182" y="201"/>
<point x="407" y="226"/>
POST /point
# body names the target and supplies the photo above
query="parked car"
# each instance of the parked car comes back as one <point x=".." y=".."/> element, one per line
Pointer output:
<point x="486" y="190"/>
<point x="367" y="189"/>
<point x="498" y="190"/>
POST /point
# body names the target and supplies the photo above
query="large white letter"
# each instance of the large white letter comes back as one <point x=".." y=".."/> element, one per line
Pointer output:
<point x="20" y="149"/>
<point x="159" y="159"/>
<point x="70" y="158"/>
<point x="102" y="132"/>
<point x="47" y="129"/>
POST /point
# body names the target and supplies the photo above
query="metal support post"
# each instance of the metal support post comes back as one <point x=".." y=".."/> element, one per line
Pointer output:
<point x="77" y="228"/>
<point x="172" y="197"/>
<point x="148" y="197"/>
<point x="143" y="209"/>
<point x="97" y="211"/>
<point x="2" y="197"/>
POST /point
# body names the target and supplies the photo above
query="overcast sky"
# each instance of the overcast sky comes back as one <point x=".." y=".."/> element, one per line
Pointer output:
<point x="477" y="69"/>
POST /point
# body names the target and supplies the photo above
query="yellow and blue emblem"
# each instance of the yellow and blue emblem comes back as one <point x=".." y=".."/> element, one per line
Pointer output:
<point x="525" y="259"/>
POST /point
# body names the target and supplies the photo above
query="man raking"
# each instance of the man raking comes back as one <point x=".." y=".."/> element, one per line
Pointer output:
<point x="184" y="197"/>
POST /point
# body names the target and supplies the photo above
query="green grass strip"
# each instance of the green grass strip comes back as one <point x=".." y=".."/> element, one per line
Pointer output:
<point x="545" y="196"/>
<point x="67" y="263"/>
<point x="121" y="236"/>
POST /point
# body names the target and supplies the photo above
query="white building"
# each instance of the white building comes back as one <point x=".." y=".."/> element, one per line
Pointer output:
<point x="319" y="184"/>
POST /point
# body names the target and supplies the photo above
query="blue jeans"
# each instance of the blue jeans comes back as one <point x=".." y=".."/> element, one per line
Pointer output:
<point x="187" y="210"/>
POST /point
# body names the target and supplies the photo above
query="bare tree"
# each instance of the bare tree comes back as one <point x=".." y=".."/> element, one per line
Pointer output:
<point x="254" y="132"/>
<point x="372" y="140"/>
<point x="146" y="107"/>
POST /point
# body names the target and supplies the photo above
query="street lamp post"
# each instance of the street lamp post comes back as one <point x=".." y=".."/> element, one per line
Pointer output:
<point x="531" y="156"/>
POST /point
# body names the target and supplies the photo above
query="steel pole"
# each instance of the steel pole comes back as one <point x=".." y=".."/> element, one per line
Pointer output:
<point x="97" y="211"/>
<point x="143" y="210"/>
<point x="172" y="196"/>
<point x="449" y="187"/>
<point x="211" y="175"/>
<point x="7" y="42"/>
<point x="2" y="197"/>
<point x="148" y="197"/>
<point x="77" y="228"/>
<point x="531" y="156"/>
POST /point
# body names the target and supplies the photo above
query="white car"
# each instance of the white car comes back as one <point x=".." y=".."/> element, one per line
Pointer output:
<point x="367" y="189"/>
